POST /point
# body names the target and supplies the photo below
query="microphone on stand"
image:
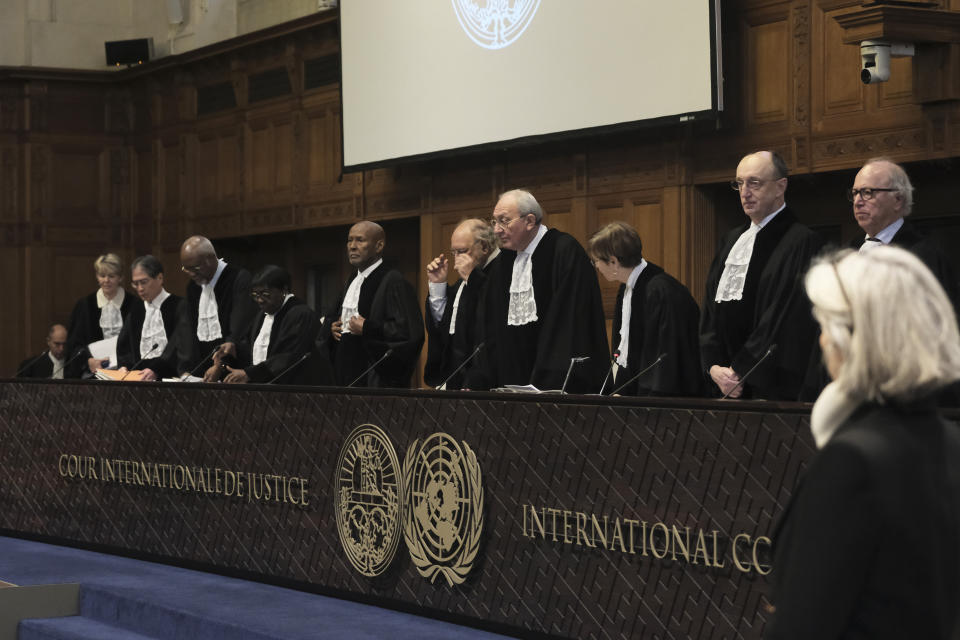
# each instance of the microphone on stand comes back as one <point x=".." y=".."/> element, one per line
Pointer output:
<point x="156" y="345"/>
<point x="772" y="348"/>
<point x="573" y="361"/>
<point x="613" y="361"/>
<point x="64" y="366"/>
<point x="634" y="378"/>
<point x="370" y="368"/>
<point x="202" y="362"/>
<point x="288" y="369"/>
<point x="30" y="364"/>
<point x="462" y="365"/>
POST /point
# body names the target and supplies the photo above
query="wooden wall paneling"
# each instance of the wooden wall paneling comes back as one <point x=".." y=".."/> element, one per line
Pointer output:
<point x="11" y="179"/>
<point x="768" y="64"/>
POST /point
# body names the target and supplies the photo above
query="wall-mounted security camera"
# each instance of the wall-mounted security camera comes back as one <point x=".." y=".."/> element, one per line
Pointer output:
<point x="875" y="59"/>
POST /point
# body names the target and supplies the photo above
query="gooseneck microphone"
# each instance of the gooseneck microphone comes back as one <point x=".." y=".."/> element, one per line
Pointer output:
<point x="613" y="361"/>
<point x="573" y="361"/>
<point x="156" y="345"/>
<point x="66" y="364"/>
<point x="636" y="377"/>
<point x="291" y="367"/>
<point x="203" y="361"/>
<point x="772" y="348"/>
<point x="462" y="365"/>
<point x="31" y="363"/>
<point x="371" y="367"/>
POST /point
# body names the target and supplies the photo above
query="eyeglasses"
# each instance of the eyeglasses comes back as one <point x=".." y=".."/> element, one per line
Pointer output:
<point x="866" y="193"/>
<point x="194" y="269"/>
<point x="504" y="222"/>
<point x="141" y="283"/>
<point x="752" y="184"/>
<point x="259" y="296"/>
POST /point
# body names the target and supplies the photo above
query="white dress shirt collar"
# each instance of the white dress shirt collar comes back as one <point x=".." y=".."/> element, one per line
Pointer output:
<point x="888" y="232"/>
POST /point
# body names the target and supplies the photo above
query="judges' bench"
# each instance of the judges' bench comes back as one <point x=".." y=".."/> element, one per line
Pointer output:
<point x="574" y="516"/>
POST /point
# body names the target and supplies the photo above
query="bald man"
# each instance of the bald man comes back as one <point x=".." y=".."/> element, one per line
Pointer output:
<point x="50" y="363"/>
<point x="378" y="312"/>
<point x="754" y="296"/>
<point x="451" y="310"/>
<point x="219" y="308"/>
<point x="882" y="197"/>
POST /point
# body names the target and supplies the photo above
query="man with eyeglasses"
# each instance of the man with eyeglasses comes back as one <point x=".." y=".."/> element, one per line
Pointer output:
<point x="451" y="309"/>
<point x="377" y="313"/>
<point x="882" y="198"/>
<point x="754" y="300"/>
<point x="219" y="308"/>
<point x="541" y="307"/>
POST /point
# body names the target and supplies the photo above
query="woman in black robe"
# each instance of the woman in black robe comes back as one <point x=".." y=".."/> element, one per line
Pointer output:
<point x="97" y="316"/>
<point x="655" y="323"/>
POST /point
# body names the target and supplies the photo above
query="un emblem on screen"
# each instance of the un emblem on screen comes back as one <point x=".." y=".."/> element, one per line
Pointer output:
<point x="443" y="494"/>
<point x="368" y="499"/>
<point x="494" y="24"/>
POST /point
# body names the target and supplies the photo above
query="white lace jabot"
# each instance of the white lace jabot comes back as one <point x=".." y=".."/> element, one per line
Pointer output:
<point x="523" y="305"/>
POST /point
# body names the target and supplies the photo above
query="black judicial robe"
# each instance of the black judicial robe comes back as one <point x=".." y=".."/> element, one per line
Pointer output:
<point x="163" y="364"/>
<point x="930" y="252"/>
<point x="570" y="323"/>
<point x="39" y="366"/>
<point x="392" y="320"/>
<point x="774" y="311"/>
<point x="867" y="545"/>
<point x="235" y="310"/>
<point x="446" y="352"/>
<point x="294" y="334"/>
<point x="85" y="328"/>
<point x="664" y="318"/>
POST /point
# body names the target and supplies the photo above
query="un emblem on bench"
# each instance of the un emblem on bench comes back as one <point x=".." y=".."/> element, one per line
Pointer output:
<point x="443" y="494"/>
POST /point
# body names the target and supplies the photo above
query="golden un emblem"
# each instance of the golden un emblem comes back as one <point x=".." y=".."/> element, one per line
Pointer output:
<point x="368" y="499"/>
<point x="443" y="494"/>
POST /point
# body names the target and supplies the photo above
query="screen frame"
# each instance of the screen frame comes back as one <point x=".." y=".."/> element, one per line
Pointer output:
<point x="713" y="113"/>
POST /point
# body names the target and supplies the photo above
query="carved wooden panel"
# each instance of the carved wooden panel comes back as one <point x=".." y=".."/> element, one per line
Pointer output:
<point x="75" y="183"/>
<point x="768" y="48"/>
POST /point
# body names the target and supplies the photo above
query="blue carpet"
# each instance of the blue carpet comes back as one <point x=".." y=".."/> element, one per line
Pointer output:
<point x="137" y="600"/>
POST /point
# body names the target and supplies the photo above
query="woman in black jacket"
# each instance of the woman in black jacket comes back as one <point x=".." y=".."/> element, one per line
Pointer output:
<point x="97" y="316"/>
<point x="869" y="545"/>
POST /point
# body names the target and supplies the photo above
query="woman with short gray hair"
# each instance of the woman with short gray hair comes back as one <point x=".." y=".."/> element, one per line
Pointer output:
<point x="868" y="546"/>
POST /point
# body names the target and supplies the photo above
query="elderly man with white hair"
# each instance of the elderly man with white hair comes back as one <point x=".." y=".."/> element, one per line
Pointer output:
<point x="882" y="197"/>
<point x="867" y="547"/>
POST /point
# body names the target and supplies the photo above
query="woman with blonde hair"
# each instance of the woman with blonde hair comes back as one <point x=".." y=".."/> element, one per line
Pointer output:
<point x="868" y="546"/>
<point x="98" y="315"/>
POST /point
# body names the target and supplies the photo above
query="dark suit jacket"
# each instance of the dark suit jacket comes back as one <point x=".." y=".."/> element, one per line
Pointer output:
<point x="868" y="545"/>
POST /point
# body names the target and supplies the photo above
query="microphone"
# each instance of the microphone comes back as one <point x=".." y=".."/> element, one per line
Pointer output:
<point x="370" y="368"/>
<point x="30" y="364"/>
<point x="613" y="361"/>
<point x="156" y="345"/>
<point x="573" y="361"/>
<point x="634" y="378"/>
<point x="287" y="370"/>
<point x="772" y="348"/>
<point x="462" y="365"/>
<point x="65" y="364"/>
<point x="202" y="362"/>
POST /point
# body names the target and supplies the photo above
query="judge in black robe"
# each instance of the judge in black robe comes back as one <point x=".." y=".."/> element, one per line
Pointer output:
<point x="663" y="319"/>
<point x="147" y="280"/>
<point x="289" y="357"/>
<point x="386" y="318"/>
<point x="773" y="311"/>
<point x="51" y="362"/>
<point x="523" y="348"/>
<point x="235" y="308"/>
<point x="85" y="320"/>
<point x="474" y="247"/>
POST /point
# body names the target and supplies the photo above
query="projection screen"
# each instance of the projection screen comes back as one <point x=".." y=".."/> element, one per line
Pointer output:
<point x="422" y="77"/>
